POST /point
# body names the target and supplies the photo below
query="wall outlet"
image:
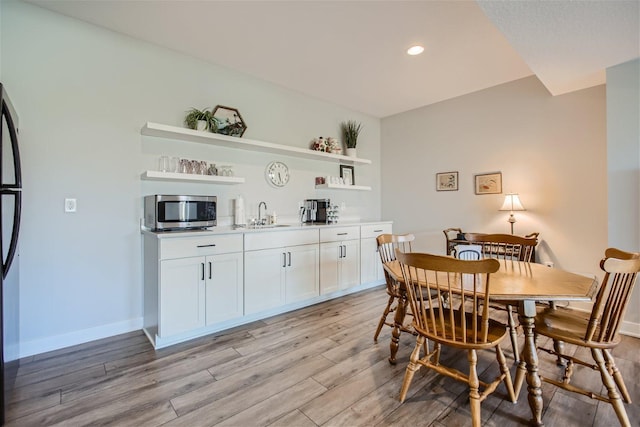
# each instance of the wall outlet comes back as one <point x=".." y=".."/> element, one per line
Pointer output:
<point x="70" y="205"/>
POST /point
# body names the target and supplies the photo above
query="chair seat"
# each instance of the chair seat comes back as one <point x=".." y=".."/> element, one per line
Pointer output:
<point x="567" y="325"/>
<point x="496" y="331"/>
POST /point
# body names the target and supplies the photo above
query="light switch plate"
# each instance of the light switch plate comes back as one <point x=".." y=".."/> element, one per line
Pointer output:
<point x="69" y="205"/>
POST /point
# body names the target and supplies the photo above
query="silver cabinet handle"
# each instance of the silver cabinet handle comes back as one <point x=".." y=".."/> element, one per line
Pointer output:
<point x="289" y="258"/>
<point x="345" y="250"/>
<point x="210" y="269"/>
<point x="202" y="264"/>
<point x="377" y="231"/>
<point x="206" y="246"/>
<point x="284" y="259"/>
<point x="342" y="234"/>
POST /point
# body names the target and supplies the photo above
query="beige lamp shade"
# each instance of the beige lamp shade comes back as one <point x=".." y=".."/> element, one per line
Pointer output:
<point x="512" y="203"/>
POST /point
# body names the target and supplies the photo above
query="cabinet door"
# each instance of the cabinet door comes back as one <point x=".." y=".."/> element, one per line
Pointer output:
<point x="224" y="287"/>
<point x="350" y="264"/>
<point x="264" y="274"/>
<point x="329" y="274"/>
<point x="370" y="264"/>
<point x="182" y="289"/>
<point x="302" y="281"/>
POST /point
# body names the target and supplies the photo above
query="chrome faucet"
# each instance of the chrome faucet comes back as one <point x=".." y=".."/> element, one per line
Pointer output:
<point x="262" y="221"/>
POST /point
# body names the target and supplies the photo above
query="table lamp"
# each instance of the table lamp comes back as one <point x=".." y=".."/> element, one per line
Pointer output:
<point x="512" y="203"/>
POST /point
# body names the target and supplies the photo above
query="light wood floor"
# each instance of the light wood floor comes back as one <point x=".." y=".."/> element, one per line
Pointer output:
<point x="315" y="366"/>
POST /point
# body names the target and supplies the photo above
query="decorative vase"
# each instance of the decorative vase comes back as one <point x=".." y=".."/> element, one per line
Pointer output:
<point x="202" y="126"/>
<point x="351" y="152"/>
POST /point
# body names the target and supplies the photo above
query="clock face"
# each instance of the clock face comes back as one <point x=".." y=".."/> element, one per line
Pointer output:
<point x="277" y="174"/>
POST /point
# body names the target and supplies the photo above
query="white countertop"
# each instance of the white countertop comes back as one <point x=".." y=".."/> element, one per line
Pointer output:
<point x="233" y="230"/>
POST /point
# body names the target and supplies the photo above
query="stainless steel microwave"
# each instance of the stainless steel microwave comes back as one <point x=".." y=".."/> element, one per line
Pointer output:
<point x="165" y="212"/>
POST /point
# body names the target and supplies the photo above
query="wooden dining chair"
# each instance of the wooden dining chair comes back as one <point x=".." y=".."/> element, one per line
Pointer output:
<point x="507" y="247"/>
<point x="596" y="331"/>
<point x="451" y="234"/>
<point x="428" y="278"/>
<point x="387" y="244"/>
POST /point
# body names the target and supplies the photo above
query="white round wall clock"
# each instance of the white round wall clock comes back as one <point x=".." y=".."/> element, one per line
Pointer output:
<point x="277" y="174"/>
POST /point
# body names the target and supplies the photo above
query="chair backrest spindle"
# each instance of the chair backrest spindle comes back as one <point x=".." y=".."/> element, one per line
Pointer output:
<point x="621" y="271"/>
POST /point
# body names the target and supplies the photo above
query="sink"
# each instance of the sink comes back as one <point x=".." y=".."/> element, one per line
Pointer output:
<point x="260" y="227"/>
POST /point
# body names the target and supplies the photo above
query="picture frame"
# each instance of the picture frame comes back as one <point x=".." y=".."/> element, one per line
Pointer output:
<point x="447" y="181"/>
<point x="229" y="121"/>
<point x="347" y="173"/>
<point x="488" y="183"/>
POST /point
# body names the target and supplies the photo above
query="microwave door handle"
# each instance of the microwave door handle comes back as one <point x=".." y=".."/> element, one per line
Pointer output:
<point x="13" y="245"/>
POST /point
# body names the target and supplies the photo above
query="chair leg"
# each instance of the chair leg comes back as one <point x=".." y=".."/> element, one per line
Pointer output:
<point x="411" y="368"/>
<point x="383" y="319"/>
<point x="607" y="380"/>
<point x="521" y="373"/>
<point x="617" y="377"/>
<point x="474" y="389"/>
<point x="513" y="331"/>
<point x="558" y="347"/>
<point x="504" y="369"/>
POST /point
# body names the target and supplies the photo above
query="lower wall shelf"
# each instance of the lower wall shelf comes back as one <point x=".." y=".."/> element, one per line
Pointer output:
<point x="171" y="176"/>
<point x="343" y="187"/>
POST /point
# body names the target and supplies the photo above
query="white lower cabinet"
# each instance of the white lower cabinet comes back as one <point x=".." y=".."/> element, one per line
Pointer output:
<point x="182" y="302"/>
<point x="339" y="258"/>
<point x="280" y="275"/>
<point x="195" y="281"/>
<point x="224" y="287"/>
<point x="199" y="291"/>
<point x="371" y="266"/>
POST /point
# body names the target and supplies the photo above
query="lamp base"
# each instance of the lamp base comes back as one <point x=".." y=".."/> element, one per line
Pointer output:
<point x="512" y="220"/>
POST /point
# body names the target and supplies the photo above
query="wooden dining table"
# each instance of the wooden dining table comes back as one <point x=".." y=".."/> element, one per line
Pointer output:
<point x="525" y="283"/>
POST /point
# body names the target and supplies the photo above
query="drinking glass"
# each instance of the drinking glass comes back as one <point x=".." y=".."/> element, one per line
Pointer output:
<point x="175" y="165"/>
<point x="203" y="167"/>
<point x="185" y="166"/>
<point x="195" y="166"/>
<point x="164" y="164"/>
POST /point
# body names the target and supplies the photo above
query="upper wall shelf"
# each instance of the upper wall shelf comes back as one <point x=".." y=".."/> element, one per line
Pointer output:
<point x="174" y="132"/>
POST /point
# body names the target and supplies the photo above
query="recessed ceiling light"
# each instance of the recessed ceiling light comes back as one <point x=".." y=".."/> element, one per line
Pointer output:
<point x="415" y="50"/>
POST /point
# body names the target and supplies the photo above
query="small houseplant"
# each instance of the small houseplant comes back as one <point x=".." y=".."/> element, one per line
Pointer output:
<point x="350" y="131"/>
<point x="200" y="120"/>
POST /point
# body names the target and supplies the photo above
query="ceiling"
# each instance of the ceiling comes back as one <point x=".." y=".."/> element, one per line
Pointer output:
<point x="352" y="53"/>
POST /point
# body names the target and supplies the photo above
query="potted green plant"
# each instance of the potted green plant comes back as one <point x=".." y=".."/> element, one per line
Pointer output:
<point x="350" y="131"/>
<point x="201" y="120"/>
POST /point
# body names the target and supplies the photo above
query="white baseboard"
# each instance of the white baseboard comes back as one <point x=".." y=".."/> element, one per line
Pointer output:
<point x="631" y="329"/>
<point x="30" y="348"/>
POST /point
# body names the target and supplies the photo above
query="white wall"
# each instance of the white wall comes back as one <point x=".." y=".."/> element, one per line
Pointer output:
<point x="550" y="150"/>
<point x="623" y="164"/>
<point x="82" y="94"/>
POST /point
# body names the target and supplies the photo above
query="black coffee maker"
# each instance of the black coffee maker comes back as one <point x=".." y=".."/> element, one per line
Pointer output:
<point x="316" y="211"/>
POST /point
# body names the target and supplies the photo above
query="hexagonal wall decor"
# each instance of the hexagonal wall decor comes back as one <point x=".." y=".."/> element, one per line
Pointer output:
<point x="229" y="121"/>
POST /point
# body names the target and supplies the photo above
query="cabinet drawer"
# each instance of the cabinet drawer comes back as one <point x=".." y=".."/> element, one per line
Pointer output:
<point x="374" y="230"/>
<point x="338" y="234"/>
<point x="278" y="239"/>
<point x="184" y="247"/>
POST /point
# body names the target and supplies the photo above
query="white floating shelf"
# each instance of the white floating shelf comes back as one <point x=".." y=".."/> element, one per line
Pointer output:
<point x="190" y="135"/>
<point x="342" y="187"/>
<point x="170" y="176"/>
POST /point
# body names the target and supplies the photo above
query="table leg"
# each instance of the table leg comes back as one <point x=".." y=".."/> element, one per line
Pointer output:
<point x="398" y="321"/>
<point x="529" y="359"/>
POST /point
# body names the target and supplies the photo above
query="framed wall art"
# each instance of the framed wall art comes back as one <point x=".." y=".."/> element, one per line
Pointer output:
<point x="229" y="121"/>
<point x="447" y="181"/>
<point x="488" y="183"/>
<point x="347" y="174"/>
